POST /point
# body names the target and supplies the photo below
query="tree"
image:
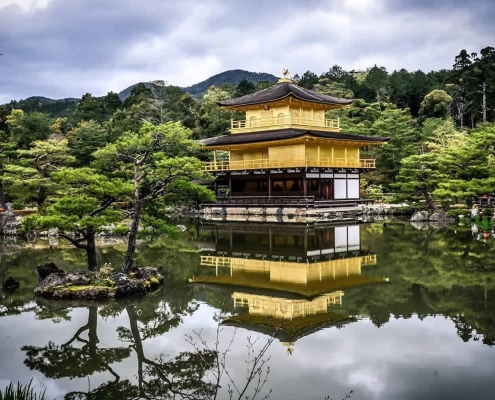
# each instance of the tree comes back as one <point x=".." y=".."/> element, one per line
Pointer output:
<point x="377" y="79"/>
<point x="421" y="174"/>
<point x="90" y="108"/>
<point x="435" y="105"/>
<point x="82" y="208"/>
<point x="139" y="93"/>
<point x="308" y="80"/>
<point x="26" y="128"/>
<point x="173" y="105"/>
<point x="112" y="103"/>
<point x="213" y="120"/>
<point x="29" y="178"/>
<point x="85" y="139"/>
<point x="243" y="88"/>
<point x="483" y="77"/>
<point x="155" y="163"/>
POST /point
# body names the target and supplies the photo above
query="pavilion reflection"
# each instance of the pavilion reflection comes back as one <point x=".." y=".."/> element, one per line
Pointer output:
<point x="293" y="277"/>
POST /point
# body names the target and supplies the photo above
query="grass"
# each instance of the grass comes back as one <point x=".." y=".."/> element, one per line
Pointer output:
<point x="21" y="392"/>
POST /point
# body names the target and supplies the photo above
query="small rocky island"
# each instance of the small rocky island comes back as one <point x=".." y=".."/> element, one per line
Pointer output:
<point x="60" y="285"/>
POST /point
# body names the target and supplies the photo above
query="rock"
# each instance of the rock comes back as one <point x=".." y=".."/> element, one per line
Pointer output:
<point x="7" y="221"/>
<point x="10" y="283"/>
<point x="150" y="274"/>
<point x="127" y="286"/>
<point x="181" y="228"/>
<point x="420" y="216"/>
<point x="46" y="269"/>
<point x="440" y="219"/>
<point x="420" y="226"/>
<point x="52" y="232"/>
<point x="88" y="285"/>
<point x="57" y="285"/>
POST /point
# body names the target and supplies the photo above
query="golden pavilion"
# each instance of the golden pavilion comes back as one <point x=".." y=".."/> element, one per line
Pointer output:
<point x="287" y="151"/>
<point x="294" y="277"/>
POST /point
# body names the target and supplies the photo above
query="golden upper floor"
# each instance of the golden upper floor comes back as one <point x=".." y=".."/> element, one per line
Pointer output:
<point x="284" y="105"/>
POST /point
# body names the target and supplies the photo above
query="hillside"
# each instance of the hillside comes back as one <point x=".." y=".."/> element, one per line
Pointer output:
<point x="233" y="77"/>
<point x="66" y="107"/>
<point x="56" y="108"/>
<point x="124" y="94"/>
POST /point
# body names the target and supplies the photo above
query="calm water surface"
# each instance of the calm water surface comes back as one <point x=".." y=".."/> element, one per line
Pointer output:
<point x="386" y="310"/>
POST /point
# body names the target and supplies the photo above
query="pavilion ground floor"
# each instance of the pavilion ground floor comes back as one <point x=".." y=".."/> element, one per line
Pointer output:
<point x="287" y="187"/>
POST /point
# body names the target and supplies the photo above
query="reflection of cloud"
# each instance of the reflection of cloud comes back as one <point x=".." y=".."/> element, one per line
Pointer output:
<point x="396" y="361"/>
<point x="59" y="49"/>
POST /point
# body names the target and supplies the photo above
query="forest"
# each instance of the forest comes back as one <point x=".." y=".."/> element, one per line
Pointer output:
<point x="90" y="161"/>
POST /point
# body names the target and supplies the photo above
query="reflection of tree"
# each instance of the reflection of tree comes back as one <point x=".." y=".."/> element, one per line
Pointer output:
<point x="437" y="272"/>
<point x="68" y="361"/>
<point x="166" y="378"/>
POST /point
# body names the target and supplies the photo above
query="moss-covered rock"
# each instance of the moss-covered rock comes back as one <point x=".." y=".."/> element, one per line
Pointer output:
<point x="88" y="285"/>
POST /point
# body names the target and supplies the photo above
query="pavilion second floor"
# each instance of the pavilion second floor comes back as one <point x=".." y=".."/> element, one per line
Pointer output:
<point x="289" y="148"/>
<point x="302" y="155"/>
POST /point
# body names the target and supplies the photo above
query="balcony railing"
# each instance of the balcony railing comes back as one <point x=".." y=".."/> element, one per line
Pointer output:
<point x="323" y="162"/>
<point x="284" y="121"/>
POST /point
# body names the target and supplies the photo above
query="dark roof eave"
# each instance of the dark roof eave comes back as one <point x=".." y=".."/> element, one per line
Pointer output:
<point x="285" y="134"/>
<point x="281" y="91"/>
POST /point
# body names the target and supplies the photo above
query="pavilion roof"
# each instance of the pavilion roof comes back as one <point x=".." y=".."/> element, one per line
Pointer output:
<point x="291" y="330"/>
<point x="284" y="134"/>
<point x="280" y="91"/>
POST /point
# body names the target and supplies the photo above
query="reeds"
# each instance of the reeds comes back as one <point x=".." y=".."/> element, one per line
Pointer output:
<point x="21" y="392"/>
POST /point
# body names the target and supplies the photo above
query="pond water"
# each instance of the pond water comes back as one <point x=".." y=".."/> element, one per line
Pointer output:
<point x="385" y="310"/>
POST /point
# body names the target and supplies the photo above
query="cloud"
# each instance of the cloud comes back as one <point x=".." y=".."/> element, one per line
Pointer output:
<point x="57" y="48"/>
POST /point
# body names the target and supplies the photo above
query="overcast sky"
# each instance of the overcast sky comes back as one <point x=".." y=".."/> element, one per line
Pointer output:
<point x="65" y="48"/>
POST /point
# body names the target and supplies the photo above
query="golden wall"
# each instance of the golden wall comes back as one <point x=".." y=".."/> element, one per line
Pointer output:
<point x="297" y="152"/>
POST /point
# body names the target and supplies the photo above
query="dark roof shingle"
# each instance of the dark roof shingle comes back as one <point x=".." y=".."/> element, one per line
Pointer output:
<point x="281" y="134"/>
<point x="280" y="91"/>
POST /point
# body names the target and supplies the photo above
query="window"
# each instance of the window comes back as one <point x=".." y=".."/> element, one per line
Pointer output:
<point x="294" y="118"/>
<point x="281" y="118"/>
<point x="313" y="185"/>
<point x="293" y="186"/>
<point x="253" y="121"/>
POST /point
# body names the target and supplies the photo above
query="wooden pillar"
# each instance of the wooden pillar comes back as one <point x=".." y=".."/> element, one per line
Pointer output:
<point x="318" y="157"/>
<point x="215" y="188"/>
<point x="269" y="185"/>
<point x="215" y="158"/>
<point x="332" y="158"/>
<point x="345" y="156"/>
<point x="230" y="186"/>
<point x="305" y="186"/>
<point x="270" y="244"/>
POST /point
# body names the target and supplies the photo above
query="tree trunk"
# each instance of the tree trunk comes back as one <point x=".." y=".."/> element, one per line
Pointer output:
<point x="138" y="346"/>
<point x="41" y="196"/>
<point x="2" y="197"/>
<point x="131" y="244"/>
<point x="92" y="333"/>
<point x="91" y="251"/>
<point x="429" y="200"/>
<point x="484" y="102"/>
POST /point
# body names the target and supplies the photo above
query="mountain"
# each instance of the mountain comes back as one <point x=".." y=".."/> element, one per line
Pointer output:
<point x="233" y="77"/>
<point x="124" y="94"/>
<point x="66" y="107"/>
<point x="56" y="108"/>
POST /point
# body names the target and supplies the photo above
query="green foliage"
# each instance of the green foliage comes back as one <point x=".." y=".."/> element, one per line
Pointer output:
<point x="436" y="104"/>
<point x="85" y="139"/>
<point x="21" y="392"/>
<point x="213" y="120"/>
<point x="90" y="108"/>
<point x="29" y="175"/>
<point x="27" y="128"/>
